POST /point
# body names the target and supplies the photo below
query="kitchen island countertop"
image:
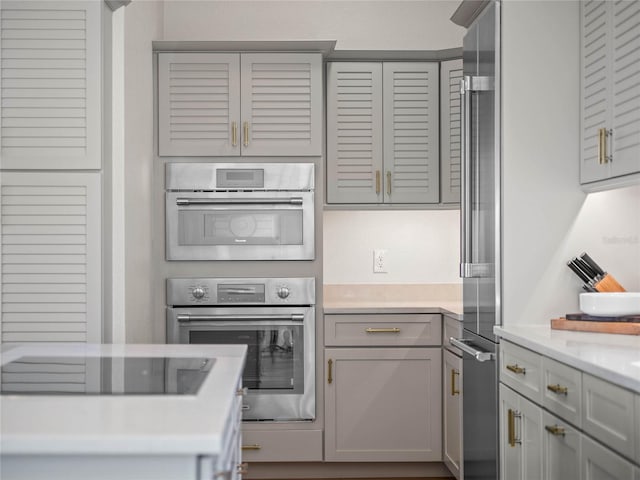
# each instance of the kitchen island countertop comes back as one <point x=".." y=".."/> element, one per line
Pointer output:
<point x="611" y="357"/>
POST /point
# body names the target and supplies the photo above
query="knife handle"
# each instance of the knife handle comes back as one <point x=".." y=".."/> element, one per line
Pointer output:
<point x="608" y="284"/>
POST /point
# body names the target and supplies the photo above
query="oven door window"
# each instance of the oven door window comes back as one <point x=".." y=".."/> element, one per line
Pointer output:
<point x="240" y="227"/>
<point x="275" y="355"/>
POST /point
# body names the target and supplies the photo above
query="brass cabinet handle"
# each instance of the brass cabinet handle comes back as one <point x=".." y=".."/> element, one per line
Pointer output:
<point x="388" y="182"/>
<point x="242" y="468"/>
<point x="511" y="426"/>
<point x="246" y="134"/>
<point x="555" y="430"/>
<point x="602" y="132"/>
<point x="517" y="369"/>
<point x="454" y="390"/>
<point x="253" y="446"/>
<point x="330" y="373"/>
<point x="382" y="330"/>
<point x="234" y="134"/>
<point x="377" y="182"/>
<point x="557" y="388"/>
<point x="241" y="392"/>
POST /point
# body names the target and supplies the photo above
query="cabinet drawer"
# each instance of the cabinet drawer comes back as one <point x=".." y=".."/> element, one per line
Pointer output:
<point x="608" y="414"/>
<point x="598" y="462"/>
<point x="281" y="445"/>
<point x="382" y="330"/>
<point x="562" y="390"/>
<point x="451" y="328"/>
<point x="561" y="448"/>
<point x="521" y="369"/>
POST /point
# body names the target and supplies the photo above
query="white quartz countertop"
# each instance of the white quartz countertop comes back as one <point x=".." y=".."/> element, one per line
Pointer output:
<point x="123" y="424"/>
<point x="614" y="358"/>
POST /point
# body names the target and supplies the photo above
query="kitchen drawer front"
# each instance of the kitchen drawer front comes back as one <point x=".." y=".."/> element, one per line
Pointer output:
<point x="451" y="328"/>
<point x="608" y="414"/>
<point x="521" y="369"/>
<point x="382" y="330"/>
<point x="562" y="390"/>
<point x="281" y="445"/>
<point x="598" y="462"/>
<point x="561" y="448"/>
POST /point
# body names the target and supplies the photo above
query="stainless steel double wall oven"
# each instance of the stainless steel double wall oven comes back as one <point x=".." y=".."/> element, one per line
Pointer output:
<point x="247" y="212"/>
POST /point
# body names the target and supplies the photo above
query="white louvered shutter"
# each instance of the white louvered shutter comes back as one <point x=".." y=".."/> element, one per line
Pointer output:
<point x="595" y="87"/>
<point x="354" y="132"/>
<point x="281" y="103"/>
<point x="450" y="76"/>
<point x="198" y="104"/>
<point x="52" y="375"/>
<point x="626" y="87"/>
<point x="51" y="261"/>
<point x="411" y="132"/>
<point x="51" y="85"/>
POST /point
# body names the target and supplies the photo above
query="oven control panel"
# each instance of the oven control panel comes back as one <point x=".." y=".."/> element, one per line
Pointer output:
<point x="240" y="291"/>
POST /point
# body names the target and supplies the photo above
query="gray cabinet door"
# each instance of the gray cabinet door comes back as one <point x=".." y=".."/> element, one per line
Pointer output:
<point x="450" y="76"/>
<point x="354" y="132"/>
<point x="411" y="132"/>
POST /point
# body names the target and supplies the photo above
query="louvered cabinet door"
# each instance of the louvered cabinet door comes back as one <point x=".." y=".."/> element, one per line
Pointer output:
<point x="450" y="76"/>
<point x="354" y="132"/>
<point x="51" y="257"/>
<point x="411" y="132"/>
<point x="281" y="101"/>
<point x="626" y="87"/>
<point x="596" y="86"/>
<point x="199" y="104"/>
<point x="51" y="85"/>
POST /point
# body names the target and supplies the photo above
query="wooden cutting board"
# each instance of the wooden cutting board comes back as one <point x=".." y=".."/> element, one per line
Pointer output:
<point x="625" y="328"/>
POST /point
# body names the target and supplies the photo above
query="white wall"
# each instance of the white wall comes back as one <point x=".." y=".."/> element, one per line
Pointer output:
<point x="356" y="25"/>
<point x="547" y="219"/>
<point x="422" y="246"/>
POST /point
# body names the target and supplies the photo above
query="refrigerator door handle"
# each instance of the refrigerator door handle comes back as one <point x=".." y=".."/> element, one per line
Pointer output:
<point x="465" y="180"/>
<point x="479" y="355"/>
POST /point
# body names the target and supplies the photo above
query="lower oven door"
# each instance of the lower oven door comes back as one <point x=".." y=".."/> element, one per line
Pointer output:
<point x="280" y="368"/>
<point x="240" y="225"/>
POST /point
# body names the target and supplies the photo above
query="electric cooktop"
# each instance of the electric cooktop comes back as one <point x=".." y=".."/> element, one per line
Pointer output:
<point x="104" y="375"/>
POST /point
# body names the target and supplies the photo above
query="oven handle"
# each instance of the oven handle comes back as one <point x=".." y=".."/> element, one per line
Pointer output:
<point x="294" y="317"/>
<point x="239" y="201"/>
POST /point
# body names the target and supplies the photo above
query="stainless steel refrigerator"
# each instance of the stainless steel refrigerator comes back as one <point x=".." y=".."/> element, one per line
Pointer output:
<point x="480" y="241"/>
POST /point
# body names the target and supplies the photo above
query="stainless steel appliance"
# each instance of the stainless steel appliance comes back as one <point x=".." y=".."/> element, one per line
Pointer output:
<point x="274" y="317"/>
<point x="239" y="211"/>
<point x="480" y="239"/>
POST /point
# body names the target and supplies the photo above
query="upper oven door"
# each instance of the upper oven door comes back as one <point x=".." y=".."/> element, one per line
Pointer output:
<point x="256" y="225"/>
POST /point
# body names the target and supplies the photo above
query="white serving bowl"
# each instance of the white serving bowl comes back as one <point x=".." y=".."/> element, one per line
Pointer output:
<point x="610" y="304"/>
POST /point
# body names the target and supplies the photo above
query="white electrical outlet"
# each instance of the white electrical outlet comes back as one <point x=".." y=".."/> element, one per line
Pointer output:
<point x="379" y="261"/>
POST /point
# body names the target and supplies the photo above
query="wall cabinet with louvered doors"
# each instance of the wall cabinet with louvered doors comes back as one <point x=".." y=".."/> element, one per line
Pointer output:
<point x="610" y="103"/>
<point x="51" y="85"/>
<point x="382" y="132"/>
<point x="227" y="104"/>
<point x="450" y="76"/>
<point x="51" y="260"/>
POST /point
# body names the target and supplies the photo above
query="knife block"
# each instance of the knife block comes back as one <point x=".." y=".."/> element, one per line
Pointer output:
<point x="608" y="284"/>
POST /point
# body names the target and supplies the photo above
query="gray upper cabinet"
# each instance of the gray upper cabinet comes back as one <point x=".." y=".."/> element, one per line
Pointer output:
<point x="51" y="85"/>
<point x="382" y="132"/>
<point x="610" y="107"/>
<point x="229" y="104"/>
<point x="450" y="76"/>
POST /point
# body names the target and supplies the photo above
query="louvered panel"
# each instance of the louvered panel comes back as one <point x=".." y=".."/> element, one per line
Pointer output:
<point x="626" y="87"/>
<point x="42" y="374"/>
<point x="50" y="269"/>
<point x="281" y="104"/>
<point x="354" y="132"/>
<point x="450" y="76"/>
<point x="411" y="132"/>
<point x="595" y="83"/>
<point x="198" y="102"/>
<point x="50" y="76"/>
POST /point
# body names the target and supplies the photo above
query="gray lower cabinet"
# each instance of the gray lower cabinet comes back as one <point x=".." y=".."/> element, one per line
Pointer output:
<point x="452" y="412"/>
<point x="383" y="132"/>
<point x="382" y="388"/>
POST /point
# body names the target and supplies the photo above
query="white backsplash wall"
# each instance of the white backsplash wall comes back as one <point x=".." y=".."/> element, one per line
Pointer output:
<point x="421" y="246"/>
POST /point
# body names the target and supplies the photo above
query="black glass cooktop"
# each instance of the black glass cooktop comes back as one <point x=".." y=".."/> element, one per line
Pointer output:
<point x="59" y="375"/>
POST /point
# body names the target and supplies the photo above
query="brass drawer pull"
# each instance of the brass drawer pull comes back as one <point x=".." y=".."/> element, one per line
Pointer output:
<point x="253" y="446"/>
<point x="517" y="369"/>
<point x="242" y="468"/>
<point x="558" y="389"/>
<point x="382" y="330"/>
<point x="330" y="373"/>
<point x="377" y="182"/>
<point x="511" y="426"/>
<point x="454" y="390"/>
<point x="555" y="430"/>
